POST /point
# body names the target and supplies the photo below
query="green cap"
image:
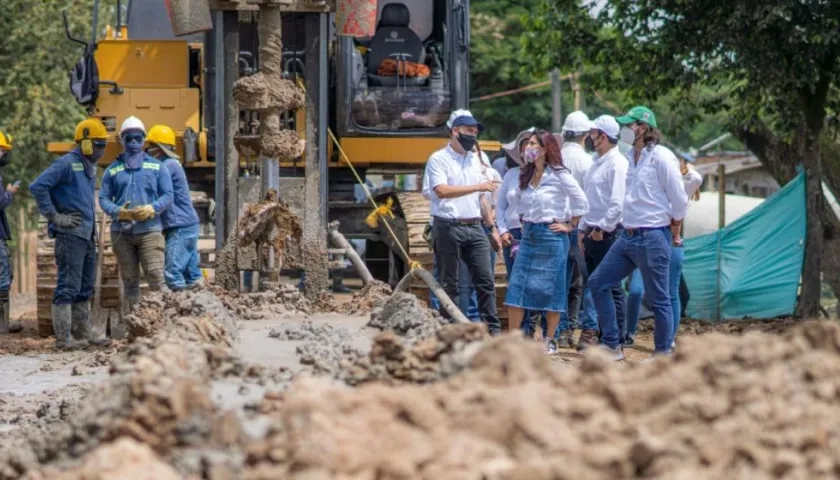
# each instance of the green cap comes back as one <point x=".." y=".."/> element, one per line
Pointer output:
<point x="640" y="114"/>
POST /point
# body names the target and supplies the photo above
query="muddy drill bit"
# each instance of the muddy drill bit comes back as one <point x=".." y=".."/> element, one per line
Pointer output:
<point x="268" y="224"/>
<point x="270" y="94"/>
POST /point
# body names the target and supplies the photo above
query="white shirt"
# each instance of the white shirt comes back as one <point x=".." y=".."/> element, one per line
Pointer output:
<point x="448" y="167"/>
<point x="551" y="199"/>
<point x="576" y="160"/>
<point x="604" y="186"/>
<point x="655" y="190"/>
<point x="507" y="213"/>
<point x="692" y="181"/>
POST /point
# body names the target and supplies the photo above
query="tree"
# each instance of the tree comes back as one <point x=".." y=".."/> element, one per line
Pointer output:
<point x="772" y="67"/>
<point x="36" y="106"/>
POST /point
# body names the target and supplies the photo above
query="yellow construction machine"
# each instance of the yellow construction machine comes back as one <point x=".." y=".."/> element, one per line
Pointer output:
<point x="385" y="123"/>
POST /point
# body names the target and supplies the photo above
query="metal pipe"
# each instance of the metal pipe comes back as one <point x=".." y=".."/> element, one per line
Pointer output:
<point x="355" y="259"/>
<point x="434" y="286"/>
<point x="219" y="130"/>
<point x="323" y="114"/>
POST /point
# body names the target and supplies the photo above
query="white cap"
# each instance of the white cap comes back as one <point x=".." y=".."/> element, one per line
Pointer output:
<point x="608" y="125"/>
<point x="456" y="114"/>
<point x="132" y="123"/>
<point x="512" y="147"/>
<point x="577" y="122"/>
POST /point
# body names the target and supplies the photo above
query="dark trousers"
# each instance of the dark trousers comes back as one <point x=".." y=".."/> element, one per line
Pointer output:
<point x="75" y="258"/>
<point x="455" y="242"/>
<point x="594" y="253"/>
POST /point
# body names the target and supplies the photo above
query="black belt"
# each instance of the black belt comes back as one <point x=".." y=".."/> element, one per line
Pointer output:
<point x="636" y="231"/>
<point x="458" y="221"/>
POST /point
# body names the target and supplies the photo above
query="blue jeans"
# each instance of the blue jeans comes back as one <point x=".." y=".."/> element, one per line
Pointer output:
<point x="594" y="253"/>
<point x="180" y="268"/>
<point x="636" y="291"/>
<point x="6" y="274"/>
<point x="75" y="258"/>
<point x="516" y="233"/>
<point x="649" y="250"/>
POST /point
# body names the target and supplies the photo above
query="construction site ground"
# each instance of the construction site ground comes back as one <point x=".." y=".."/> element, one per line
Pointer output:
<point x="257" y="386"/>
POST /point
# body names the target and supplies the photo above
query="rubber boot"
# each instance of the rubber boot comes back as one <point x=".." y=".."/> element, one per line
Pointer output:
<point x="81" y="322"/>
<point x="5" y="325"/>
<point x="62" y="316"/>
<point x="338" y="285"/>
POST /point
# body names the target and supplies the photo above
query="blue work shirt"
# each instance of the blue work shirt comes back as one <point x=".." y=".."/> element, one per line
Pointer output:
<point x="67" y="186"/>
<point x="181" y="213"/>
<point x="148" y="185"/>
<point x="5" y="201"/>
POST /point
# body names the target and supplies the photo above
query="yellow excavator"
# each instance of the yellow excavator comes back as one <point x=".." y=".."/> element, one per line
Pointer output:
<point x="386" y="124"/>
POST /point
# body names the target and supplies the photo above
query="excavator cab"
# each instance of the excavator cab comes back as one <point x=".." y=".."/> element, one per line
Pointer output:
<point x="410" y="74"/>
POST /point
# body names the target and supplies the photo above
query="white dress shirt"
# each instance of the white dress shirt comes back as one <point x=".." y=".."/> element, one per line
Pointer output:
<point x="604" y="186"/>
<point x="558" y="196"/>
<point x="448" y="167"/>
<point x="692" y="181"/>
<point x="655" y="190"/>
<point x="576" y="160"/>
<point x="507" y="213"/>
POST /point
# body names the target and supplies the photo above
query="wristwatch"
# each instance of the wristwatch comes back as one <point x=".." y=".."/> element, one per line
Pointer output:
<point x="597" y="229"/>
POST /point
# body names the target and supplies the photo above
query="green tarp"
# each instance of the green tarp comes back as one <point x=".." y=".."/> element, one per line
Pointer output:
<point x="761" y="257"/>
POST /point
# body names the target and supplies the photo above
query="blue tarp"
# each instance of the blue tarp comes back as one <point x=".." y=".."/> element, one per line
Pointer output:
<point x="761" y="260"/>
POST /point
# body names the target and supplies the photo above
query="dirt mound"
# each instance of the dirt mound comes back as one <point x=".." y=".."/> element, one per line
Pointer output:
<point x="756" y="406"/>
<point x="738" y="327"/>
<point x="122" y="459"/>
<point x="403" y="314"/>
<point x="197" y="316"/>
<point x="371" y="296"/>
<point x="391" y="360"/>
<point x="283" y="300"/>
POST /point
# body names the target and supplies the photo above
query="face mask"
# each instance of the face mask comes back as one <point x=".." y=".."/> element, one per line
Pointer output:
<point x="5" y="156"/>
<point x="589" y="144"/>
<point x="97" y="154"/>
<point x="531" y="154"/>
<point x="133" y="143"/>
<point x="467" y="142"/>
<point x="627" y="135"/>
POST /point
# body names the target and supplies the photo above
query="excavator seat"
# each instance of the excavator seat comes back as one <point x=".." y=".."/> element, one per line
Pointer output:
<point x="395" y="40"/>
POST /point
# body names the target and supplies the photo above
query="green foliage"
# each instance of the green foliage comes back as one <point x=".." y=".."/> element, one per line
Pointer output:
<point x="36" y="105"/>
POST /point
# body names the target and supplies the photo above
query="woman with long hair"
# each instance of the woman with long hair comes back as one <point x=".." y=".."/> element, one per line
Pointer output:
<point x="550" y="204"/>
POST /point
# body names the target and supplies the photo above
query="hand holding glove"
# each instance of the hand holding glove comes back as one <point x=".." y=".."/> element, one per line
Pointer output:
<point x="67" y="220"/>
<point x="125" y="214"/>
<point x="144" y="212"/>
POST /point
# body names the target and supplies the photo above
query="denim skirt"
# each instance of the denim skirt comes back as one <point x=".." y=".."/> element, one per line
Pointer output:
<point x="538" y="279"/>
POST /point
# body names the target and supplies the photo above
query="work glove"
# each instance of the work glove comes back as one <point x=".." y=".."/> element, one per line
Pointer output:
<point x="67" y="220"/>
<point x="144" y="212"/>
<point x="125" y="214"/>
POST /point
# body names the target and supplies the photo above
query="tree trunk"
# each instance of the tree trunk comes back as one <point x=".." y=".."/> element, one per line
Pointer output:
<point x="779" y="158"/>
<point x="809" y="297"/>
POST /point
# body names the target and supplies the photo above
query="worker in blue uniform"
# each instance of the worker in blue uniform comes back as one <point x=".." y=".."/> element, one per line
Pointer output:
<point x="64" y="193"/>
<point x="180" y="221"/>
<point x="135" y="191"/>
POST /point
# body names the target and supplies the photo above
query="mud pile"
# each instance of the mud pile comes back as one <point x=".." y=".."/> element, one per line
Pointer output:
<point x="122" y="459"/>
<point x="403" y="314"/>
<point x="371" y="296"/>
<point x="755" y="406"/>
<point x="188" y="316"/>
<point x="282" y="300"/>
<point x="325" y="346"/>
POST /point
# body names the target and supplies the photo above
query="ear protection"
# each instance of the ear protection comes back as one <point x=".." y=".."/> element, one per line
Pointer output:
<point x="7" y="138"/>
<point x="86" y="143"/>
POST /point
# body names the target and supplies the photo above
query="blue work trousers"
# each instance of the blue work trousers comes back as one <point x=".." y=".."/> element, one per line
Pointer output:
<point x="649" y="250"/>
<point x="75" y="258"/>
<point x="180" y="268"/>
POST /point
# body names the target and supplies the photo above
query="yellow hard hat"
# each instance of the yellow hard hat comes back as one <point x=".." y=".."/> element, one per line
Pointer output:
<point x="161" y="134"/>
<point x="5" y="141"/>
<point x="90" y="128"/>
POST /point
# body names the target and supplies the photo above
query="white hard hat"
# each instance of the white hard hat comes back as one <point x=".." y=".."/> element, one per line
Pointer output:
<point x="577" y="122"/>
<point x="608" y="125"/>
<point x="132" y="123"/>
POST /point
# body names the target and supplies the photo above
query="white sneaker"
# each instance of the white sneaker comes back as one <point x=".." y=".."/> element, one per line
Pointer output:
<point x="550" y="347"/>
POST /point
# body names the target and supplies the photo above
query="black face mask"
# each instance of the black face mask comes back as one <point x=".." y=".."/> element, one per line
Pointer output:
<point x="467" y="142"/>
<point x="589" y="144"/>
<point x="4" y="160"/>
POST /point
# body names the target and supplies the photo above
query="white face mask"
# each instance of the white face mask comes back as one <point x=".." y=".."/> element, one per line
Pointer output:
<point x="627" y="135"/>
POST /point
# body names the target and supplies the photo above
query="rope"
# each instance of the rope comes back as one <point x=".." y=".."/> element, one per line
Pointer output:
<point x="379" y="212"/>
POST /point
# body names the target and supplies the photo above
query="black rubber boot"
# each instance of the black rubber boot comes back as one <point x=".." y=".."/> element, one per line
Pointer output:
<point x="61" y="318"/>
<point x="81" y="322"/>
